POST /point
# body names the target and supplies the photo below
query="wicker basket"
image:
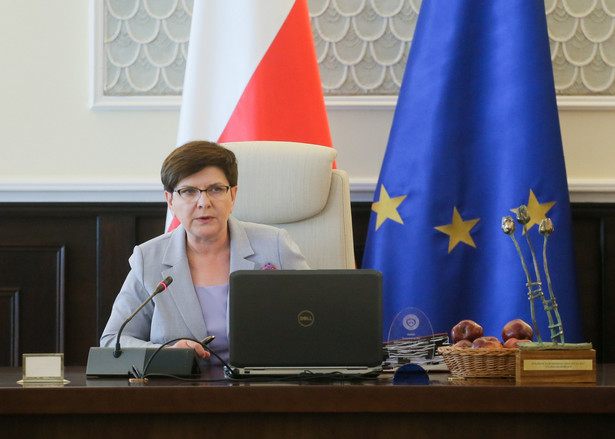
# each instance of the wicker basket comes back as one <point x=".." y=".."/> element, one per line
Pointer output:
<point x="479" y="362"/>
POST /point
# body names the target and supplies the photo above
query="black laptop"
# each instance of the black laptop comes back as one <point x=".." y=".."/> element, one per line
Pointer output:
<point x="305" y="322"/>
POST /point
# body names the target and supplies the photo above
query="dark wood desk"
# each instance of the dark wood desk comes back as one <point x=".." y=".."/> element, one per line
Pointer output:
<point x="164" y="408"/>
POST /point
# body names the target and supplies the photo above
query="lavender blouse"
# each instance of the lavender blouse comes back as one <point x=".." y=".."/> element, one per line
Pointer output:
<point x="213" y="302"/>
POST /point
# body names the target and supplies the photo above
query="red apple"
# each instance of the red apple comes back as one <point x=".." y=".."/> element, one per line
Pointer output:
<point x="463" y="344"/>
<point x="488" y="342"/>
<point x="466" y="330"/>
<point x="513" y="342"/>
<point x="517" y="329"/>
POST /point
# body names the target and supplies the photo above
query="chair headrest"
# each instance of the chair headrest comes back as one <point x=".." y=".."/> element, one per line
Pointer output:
<point x="281" y="182"/>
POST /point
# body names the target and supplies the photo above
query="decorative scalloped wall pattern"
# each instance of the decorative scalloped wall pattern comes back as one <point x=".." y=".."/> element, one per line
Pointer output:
<point x="145" y="44"/>
<point x="362" y="45"/>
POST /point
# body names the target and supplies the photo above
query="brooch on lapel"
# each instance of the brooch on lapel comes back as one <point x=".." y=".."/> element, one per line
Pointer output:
<point x="268" y="266"/>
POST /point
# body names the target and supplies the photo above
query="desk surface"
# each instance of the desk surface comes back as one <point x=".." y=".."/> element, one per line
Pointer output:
<point x="165" y="408"/>
<point x="161" y="395"/>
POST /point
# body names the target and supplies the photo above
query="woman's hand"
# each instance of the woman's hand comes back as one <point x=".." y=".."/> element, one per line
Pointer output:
<point x="189" y="344"/>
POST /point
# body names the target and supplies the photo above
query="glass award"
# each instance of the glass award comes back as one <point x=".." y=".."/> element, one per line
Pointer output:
<point x="410" y="338"/>
<point x="410" y="323"/>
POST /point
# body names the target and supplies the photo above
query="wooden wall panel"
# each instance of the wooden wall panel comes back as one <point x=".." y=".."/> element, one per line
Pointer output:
<point x="587" y="236"/>
<point x="56" y="292"/>
<point x="38" y="301"/>
<point x="112" y="269"/>
<point x="96" y="240"/>
<point x="360" y="222"/>
<point x="594" y="236"/>
<point x="9" y="326"/>
<point x="608" y="290"/>
<point x="118" y="233"/>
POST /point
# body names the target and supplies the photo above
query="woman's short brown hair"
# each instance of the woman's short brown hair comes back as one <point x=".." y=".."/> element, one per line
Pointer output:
<point x="193" y="157"/>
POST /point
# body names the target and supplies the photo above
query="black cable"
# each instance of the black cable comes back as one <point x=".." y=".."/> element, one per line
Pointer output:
<point x="190" y="380"/>
<point x="144" y="374"/>
<point x="306" y="375"/>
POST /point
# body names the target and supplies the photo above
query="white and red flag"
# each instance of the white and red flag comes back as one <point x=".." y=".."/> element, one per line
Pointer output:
<point x="252" y="74"/>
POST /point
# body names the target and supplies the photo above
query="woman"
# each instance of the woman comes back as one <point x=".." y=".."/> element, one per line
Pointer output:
<point x="200" y="184"/>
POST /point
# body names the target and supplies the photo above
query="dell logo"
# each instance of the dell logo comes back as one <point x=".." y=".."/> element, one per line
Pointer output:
<point x="305" y="318"/>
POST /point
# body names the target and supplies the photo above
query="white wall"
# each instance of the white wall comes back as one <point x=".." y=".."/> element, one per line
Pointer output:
<point x="54" y="147"/>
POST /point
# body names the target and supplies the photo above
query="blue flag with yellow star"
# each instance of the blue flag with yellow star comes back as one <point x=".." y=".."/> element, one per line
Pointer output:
<point x="475" y="135"/>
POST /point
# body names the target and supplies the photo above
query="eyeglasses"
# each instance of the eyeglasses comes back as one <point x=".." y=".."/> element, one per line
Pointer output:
<point x="216" y="192"/>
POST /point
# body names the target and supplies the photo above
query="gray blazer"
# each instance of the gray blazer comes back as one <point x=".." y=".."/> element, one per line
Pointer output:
<point x="176" y="312"/>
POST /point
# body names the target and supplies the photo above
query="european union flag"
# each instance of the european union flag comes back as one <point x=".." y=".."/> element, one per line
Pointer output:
<point x="475" y="135"/>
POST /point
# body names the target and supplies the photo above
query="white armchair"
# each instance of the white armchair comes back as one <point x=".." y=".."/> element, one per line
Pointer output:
<point x="293" y="186"/>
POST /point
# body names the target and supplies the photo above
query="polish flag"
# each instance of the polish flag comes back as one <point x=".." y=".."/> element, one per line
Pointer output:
<point x="252" y="74"/>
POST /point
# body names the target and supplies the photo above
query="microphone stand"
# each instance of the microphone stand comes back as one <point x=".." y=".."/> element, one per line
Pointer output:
<point x="118" y="350"/>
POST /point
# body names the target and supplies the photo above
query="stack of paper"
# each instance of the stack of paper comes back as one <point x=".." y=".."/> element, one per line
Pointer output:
<point x="419" y="350"/>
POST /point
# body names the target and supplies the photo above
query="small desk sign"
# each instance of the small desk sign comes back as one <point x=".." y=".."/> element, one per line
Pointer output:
<point x="555" y="366"/>
<point x="42" y="369"/>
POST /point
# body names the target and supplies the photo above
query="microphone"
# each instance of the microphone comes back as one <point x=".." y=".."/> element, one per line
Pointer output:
<point x="162" y="286"/>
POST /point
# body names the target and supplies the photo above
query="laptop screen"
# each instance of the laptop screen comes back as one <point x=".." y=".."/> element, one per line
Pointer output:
<point x="305" y="318"/>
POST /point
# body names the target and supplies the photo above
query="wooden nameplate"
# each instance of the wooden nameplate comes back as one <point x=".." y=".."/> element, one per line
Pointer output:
<point x="547" y="363"/>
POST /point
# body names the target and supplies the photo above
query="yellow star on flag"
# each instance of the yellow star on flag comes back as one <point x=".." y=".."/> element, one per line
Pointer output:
<point x="458" y="230"/>
<point x="537" y="211"/>
<point x="386" y="207"/>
